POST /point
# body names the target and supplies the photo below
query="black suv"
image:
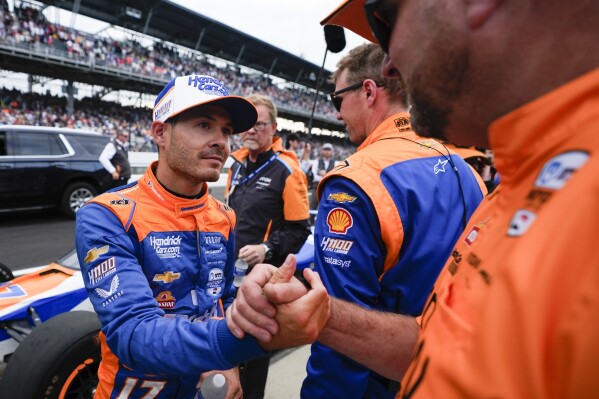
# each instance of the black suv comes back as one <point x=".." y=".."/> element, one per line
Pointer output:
<point x="42" y="167"/>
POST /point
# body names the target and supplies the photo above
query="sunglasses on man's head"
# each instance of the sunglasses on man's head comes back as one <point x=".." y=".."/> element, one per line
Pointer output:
<point x="380" y="28"/>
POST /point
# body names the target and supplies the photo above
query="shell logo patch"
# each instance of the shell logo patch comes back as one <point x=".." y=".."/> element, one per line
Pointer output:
<point x="341" y="198"/>
<point x="166" y="300"/>
<point x="339" y="221"/>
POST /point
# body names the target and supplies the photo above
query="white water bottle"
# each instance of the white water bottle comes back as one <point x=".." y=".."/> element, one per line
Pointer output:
<point x="213" y="387"/>
<point x="241" y="269"/>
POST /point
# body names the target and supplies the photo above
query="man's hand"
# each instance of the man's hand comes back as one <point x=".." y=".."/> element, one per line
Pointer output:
<point x="234" y="390"/>
<point x="115" y="175"/>
<point x="252" y="254"/>
<point x="251" y="312"/>
<point x="300" y="321"/>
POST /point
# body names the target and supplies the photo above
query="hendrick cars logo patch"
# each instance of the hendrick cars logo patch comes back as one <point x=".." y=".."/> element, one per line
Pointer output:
<point x="167" y="247"/>
<point x="339" y="221"/>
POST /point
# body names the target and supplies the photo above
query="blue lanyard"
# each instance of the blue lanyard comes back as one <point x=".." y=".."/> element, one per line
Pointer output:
<point x="235" y="180"/>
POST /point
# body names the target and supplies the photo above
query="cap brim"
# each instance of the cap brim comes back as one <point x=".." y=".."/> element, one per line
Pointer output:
<point x="243" y="113"/>
<point x="350" y="15"/>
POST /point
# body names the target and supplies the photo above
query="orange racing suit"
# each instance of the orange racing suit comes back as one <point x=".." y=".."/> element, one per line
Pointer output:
<point x="514" y="313"/>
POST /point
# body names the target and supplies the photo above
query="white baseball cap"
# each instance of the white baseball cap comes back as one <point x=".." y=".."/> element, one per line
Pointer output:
<point x="186" y="92"/>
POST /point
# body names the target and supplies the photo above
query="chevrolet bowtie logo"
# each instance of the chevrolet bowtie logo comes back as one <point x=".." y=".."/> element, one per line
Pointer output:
<point x="341" y="197"/>
<point x="94" y="254"/>
<point x="167" y="277"/>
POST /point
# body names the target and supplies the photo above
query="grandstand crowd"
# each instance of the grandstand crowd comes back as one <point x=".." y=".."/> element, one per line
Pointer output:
<point x="27" y="27"/>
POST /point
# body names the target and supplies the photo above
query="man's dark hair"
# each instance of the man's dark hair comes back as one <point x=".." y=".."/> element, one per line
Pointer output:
<point x="291" y="137"/>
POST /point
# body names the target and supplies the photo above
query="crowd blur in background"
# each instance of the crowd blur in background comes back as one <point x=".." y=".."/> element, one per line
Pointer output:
<point x="27" y="26"/>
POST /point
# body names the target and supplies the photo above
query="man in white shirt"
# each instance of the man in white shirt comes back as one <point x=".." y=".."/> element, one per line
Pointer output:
<point x="115" y="159"/>
<point x="325" y="163"/>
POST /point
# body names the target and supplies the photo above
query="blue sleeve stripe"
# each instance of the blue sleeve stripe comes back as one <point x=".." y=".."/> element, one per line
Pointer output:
<point x="289" y="168"/>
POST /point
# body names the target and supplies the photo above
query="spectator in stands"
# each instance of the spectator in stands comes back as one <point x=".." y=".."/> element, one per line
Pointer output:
<point x="293" y="144"/>
<point x="324" y="164"/>
<point x="115" y="158"/>
<point x="28" y="26"/>
<point x="307" y="165"/>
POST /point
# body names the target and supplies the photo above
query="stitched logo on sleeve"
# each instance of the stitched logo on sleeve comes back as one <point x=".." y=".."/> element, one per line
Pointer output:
<point x="113" y="292"/>
<point x="101" y="271"/>
<point x="341" y="198"/>
<point x="336" y="245"/>
<point x="339" y="221"/>
<point x="95" y="253"/>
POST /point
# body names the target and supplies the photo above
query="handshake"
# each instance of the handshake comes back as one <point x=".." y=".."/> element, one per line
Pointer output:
<point x="278" y="309"/>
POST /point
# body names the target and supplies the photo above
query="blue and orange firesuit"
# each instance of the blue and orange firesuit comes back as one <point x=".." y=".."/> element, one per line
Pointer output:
<point x="387" y="220"/>
<point x="159" y="270"/>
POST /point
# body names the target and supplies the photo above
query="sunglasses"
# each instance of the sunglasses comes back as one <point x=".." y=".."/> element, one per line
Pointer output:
<point x="337" y="101"/>
<point x="380" y="28"/>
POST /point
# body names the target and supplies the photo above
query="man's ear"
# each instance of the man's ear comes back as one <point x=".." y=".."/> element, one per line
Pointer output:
<point x="158" y="130"/>
<point x="371" y="93"/>
<point x="478" y="12"/>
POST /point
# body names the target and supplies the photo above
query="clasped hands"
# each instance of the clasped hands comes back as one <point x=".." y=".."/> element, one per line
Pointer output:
<point x="277" y="309"/>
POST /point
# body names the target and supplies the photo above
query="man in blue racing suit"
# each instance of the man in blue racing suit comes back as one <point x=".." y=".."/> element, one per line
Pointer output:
<point x="157" y="254"/>
<point x="388" y="217"/>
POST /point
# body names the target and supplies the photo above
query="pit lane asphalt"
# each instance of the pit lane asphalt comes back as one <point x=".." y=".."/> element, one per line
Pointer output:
<point x="35" y="238"/>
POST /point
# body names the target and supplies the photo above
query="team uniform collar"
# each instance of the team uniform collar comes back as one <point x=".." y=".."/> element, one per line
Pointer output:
<point x="398" y="123"/>
<point x="529" y="131"/>
<point x="181" y="206"/>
